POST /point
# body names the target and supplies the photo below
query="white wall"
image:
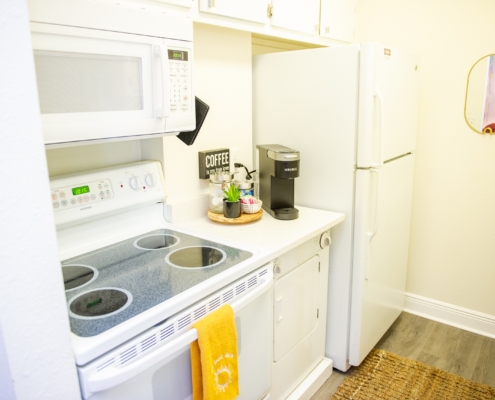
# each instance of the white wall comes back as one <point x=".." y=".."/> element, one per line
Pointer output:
<point x="34" y="322"/>
<point x="452" y="251"/>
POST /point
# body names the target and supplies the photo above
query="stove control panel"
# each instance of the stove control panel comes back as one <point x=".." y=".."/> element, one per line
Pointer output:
<point x="88" y="193"/>
<point x="94" y="193"/>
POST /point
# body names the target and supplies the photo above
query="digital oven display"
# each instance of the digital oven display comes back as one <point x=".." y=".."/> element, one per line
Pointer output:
<point x="177" y="55"/>
<point x="80" y="190"/>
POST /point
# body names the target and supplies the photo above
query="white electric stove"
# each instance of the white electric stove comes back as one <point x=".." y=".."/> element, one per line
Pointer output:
<point x="135" y="284"/>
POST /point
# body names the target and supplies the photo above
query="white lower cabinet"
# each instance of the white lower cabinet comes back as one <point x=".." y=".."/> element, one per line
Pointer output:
<point x="248" y="10"/>
<point x="296" y="15"/>
<point x="337" y="19"/>
<point x="299" y="319"/>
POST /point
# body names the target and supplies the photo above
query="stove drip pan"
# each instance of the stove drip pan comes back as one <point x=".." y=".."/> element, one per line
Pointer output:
<point x="156" y="242"/>
<point x="78" y="275"/>
<point x="196" y="257"/>
<point x="99" y="303"/>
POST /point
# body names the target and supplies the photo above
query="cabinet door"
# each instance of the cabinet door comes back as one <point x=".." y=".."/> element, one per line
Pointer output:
<point x="337" y="19"/>
<point x="295" y="307"/>
<point x="249" y="10"/>
<point x="296" y="15"/>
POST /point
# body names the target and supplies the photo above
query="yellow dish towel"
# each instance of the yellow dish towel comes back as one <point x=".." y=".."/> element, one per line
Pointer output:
<point x="214" y="357"/>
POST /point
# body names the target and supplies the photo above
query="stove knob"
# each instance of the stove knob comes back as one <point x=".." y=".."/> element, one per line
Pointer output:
<point x="134" y="183"/>
<point x="150" y="181"/>
<point x="325" y="240"/>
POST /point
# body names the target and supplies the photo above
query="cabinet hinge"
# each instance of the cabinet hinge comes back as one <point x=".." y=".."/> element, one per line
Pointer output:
<point x="211" y="3"/>
<point x="317" y="313"/>
<point x="269" y="10"/>
<point x="319" y="265"/>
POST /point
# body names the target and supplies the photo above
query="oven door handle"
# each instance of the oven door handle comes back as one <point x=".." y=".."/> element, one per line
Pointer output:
<point x="114" y="376"/>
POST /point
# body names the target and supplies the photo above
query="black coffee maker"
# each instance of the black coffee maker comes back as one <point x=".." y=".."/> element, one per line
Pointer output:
<point x="277" y="167"/>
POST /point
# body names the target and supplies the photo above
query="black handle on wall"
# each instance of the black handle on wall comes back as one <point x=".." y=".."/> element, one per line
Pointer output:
<point x="201" y="111"/>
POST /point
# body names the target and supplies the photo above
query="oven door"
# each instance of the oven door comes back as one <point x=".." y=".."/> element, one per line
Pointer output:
<point x="166" y="372"/>
<point x="100" y="85"/>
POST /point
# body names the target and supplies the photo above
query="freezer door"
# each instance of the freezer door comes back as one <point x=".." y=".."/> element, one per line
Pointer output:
<point x="381" y="243"/>
<point x="388" y="104"/>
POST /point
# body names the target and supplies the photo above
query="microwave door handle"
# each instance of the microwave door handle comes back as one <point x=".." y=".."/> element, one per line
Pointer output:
<point x="162" y="53"/>
<point x="111" y="377"/>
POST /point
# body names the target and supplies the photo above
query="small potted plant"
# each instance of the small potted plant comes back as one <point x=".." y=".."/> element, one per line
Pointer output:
<point x="232" y="202"/>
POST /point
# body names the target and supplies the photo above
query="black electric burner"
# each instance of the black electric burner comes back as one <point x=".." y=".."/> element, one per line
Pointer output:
<point x="110" y="285"/>
<point x="76" y="276"/>
<point x="156" y="242"/>
<point x="196" y="257"/>
<point x="99" y="303"/>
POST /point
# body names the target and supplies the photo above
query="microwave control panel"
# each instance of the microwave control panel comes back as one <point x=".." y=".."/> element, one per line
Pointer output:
<point x="179" y="61"/>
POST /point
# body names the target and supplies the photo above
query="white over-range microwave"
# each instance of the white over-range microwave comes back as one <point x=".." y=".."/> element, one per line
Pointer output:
<point x="108" y="72"/>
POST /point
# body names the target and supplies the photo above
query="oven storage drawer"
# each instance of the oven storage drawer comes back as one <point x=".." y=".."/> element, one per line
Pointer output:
<point x="101" y="85"/>
<point x="165" y="371"/>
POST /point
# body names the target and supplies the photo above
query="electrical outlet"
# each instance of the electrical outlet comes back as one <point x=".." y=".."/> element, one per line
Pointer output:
<point x="234" y="153"/>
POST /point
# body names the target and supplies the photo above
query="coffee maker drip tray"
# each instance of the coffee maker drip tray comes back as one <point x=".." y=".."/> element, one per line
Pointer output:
<point x="284" y="213"/>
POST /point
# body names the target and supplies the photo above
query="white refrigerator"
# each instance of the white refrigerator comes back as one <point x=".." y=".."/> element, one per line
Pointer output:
<point x="351" y="112"/>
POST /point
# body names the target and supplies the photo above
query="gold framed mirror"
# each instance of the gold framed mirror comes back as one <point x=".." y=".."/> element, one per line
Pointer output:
<point x="479" y="105"/>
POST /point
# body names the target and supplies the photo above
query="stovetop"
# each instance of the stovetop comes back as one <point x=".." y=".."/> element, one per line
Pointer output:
<point x="110" y="285"/>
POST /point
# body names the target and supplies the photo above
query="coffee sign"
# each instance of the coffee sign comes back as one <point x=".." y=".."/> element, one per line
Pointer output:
<point x="211" y="161"/>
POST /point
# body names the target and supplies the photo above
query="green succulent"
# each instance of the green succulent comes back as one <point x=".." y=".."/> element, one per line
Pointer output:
<point x="232" y="193"/>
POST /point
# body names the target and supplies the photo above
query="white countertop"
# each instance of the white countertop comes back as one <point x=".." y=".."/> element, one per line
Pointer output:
<point x="271" y="236"/>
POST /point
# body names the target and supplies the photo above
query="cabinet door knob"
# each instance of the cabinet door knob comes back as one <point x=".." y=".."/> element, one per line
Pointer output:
<point x="325" y="240"/>
<point x="269" y="10"/>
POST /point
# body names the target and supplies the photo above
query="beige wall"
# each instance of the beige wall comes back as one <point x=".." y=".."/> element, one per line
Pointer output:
<point x="452" y="252"/>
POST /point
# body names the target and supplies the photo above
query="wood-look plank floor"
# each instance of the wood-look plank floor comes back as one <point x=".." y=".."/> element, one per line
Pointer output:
<point x="452" y="349"/>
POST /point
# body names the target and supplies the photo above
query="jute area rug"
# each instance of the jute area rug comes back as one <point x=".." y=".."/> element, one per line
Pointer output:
<point x="386" y="376"/>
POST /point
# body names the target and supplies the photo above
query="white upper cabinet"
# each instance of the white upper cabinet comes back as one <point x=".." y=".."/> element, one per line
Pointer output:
<point x="183" y="3"/>
<point x="296" y="15"/>
<point x="337" y="19"/>
<point x="316" y="22"/>
<point x="248" y="10"/>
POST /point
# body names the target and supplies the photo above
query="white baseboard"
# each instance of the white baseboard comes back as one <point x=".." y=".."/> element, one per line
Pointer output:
<point x="310" y="385"/>
<point x="449" y="314"/>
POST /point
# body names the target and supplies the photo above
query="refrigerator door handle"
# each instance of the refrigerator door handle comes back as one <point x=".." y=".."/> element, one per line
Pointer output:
<point x="375" y="220"/>
<point x="379" y="97"/>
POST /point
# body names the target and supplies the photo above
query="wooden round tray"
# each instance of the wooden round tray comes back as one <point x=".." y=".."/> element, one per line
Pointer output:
<point x="243" y="219"/>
